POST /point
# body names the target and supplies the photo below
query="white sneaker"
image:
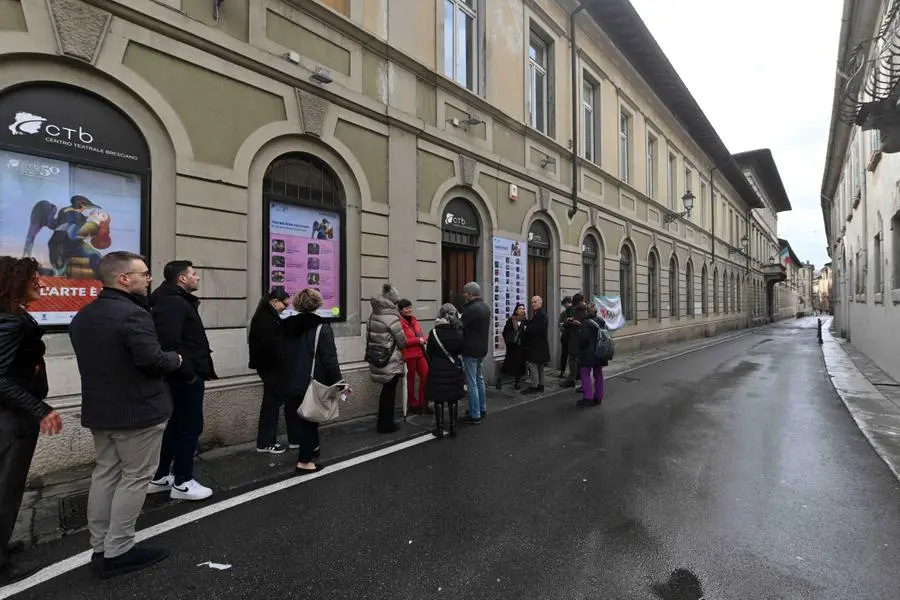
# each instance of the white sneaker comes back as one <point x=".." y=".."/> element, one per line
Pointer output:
<point x="190" y="490"/>
<point x="163" y="484"/>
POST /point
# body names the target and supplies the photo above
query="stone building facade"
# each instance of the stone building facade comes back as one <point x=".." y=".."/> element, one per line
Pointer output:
<point x="401" y="140"/>
<point x="860" y="201"/>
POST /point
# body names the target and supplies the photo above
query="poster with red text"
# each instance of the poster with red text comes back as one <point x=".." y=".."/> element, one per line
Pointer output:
<point x="67" y="217"/>
<point x="305" y="252"/>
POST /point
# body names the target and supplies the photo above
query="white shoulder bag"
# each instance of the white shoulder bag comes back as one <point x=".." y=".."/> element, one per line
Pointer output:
<point x="321" y="403"/>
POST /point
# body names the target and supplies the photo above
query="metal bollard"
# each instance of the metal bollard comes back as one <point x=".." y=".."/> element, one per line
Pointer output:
<point x="819" y="333"/>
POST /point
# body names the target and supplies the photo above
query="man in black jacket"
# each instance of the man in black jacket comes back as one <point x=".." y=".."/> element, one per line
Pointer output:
<point x="179" y="327"/>
<point x="476" y="320"/>
<point x="125" y="402"/>
<point x="264" y="341"/>
<point x="537" y="345"/>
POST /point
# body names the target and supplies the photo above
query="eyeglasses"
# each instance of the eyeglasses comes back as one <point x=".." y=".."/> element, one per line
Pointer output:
<point x="144" y="274"/>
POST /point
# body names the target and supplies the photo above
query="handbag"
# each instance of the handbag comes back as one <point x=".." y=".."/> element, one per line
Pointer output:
<point x="377" y="355"/>
<point x="321" y="403"/>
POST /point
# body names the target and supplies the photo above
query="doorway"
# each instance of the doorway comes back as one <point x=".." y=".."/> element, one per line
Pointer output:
<point x="539" y="261"/>
<point x="460" y="244"/>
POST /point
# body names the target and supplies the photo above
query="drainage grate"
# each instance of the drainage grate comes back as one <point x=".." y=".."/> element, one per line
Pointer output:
<point x="73" y="511"/>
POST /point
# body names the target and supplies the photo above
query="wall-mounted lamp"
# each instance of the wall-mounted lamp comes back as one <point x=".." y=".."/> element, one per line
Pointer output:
<point x="547" y="160"/>
<point x="688" y="201"/>
<point x="470" y="121"/>
<point x="321" y="75"/>
<point x="742" y="251"/>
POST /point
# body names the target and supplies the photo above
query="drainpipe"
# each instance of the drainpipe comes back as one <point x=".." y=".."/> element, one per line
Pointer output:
<point x="712" y="202"/>
<point x="574" y="77"/>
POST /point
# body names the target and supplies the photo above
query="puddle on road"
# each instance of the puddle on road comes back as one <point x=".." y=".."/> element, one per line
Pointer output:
<point x="681" y="585"/>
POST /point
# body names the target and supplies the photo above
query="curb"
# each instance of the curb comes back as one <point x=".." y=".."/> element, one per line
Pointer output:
<point x="865" y="403"/>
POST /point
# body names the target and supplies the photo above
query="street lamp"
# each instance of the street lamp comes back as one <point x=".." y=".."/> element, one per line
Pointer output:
<point x="688" y="201"/>
<point x="745" y="245"/>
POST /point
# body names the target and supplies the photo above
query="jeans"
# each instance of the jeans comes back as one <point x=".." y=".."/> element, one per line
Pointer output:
<point x="179" y="443"/>
<point x="15" y="460"/>
<point x="474" y="370"/>
<point x="386" y="403"/>
<point x="536" y="375"/>
<point x="267" y="430"/>
<point x="597" y="373"/>
<point x="309" y="440"/>
<point x="572" y="375"/>
<point x="416" y="366"/>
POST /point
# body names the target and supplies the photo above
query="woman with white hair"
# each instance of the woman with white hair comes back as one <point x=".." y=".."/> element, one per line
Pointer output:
<point x="446" y="380"/>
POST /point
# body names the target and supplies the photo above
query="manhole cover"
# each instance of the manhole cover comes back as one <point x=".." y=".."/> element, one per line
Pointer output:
<point x="73" y="511"/>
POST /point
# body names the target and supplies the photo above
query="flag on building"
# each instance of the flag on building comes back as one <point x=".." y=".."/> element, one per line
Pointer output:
<point x="784" y="257"/>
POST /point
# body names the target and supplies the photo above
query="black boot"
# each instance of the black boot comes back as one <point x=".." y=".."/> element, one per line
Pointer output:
<point x="454" y="409"/>
<point x="499" y="383"/>
<point x="516" y="386"/>
<point x="439" y="420"/>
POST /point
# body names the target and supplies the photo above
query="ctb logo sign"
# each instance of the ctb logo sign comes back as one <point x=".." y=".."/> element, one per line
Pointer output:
<point x="26" y="123"/>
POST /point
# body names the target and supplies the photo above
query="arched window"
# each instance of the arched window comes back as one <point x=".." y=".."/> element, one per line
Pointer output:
<point x="653" y="284"/>
<point x="626" y="282"/>
<point x="591" y="267"/>
<point x="305" y="219"/>
<point x="733" y="294"/>
<point x="740" y="287"/>
<point x="673" y="287"/>
<point x="704" y="290"/>
<point x="716" y="291"/>
<point x="725" y="293"/>
<point x="689" y="287"/>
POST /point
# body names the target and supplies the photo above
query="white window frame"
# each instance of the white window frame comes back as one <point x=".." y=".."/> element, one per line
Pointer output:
<point x="671" y="178"/>
<point x="652" y="149"/>
<point x="625" y="125"/>
<point x="461" y="7"/>
<point x="589" y="121"/>
<point x="534" y="94"/>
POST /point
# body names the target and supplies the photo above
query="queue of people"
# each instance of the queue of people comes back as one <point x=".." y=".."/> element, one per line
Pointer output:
<point x="144" y="362"/>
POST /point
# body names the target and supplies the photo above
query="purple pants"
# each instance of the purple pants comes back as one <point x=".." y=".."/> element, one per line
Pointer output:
<point x="586" y="373"/>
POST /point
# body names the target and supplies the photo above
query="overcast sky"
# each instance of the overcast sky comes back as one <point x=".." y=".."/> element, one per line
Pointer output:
<point x="763" y="73"/>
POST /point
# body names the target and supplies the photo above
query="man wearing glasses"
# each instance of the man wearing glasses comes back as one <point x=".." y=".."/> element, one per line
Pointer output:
<point x="125" y="402"/>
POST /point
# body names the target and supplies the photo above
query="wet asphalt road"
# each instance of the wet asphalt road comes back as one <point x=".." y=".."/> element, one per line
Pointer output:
<point x="737" y="462"/>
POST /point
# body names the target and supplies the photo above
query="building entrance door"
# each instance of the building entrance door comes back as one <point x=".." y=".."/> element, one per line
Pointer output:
<point x="460" y="243"/>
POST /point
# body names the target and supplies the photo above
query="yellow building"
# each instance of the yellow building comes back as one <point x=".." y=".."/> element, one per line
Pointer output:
<point x="414" y="141"/>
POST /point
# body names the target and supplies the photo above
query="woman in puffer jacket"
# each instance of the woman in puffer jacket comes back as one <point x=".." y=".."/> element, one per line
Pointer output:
<point x="385" y="341"/>
<point x="446" y="381"/>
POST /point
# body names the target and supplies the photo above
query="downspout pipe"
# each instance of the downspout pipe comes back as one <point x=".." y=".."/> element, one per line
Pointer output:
<point x="574" y="78"/>
<point x="712" y="201"/>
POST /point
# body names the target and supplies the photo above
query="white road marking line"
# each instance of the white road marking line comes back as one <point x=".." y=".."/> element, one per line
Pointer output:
<point x="84" y="558"/>
<point x="79" y="560"/>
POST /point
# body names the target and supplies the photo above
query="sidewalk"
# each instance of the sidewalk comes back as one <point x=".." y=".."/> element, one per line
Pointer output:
<point x="871" y="396"/>
<point x="55" y="505"/>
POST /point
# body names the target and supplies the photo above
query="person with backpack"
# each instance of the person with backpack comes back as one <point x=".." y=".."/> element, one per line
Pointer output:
<point x="592" y="356"/>
<point x="385" y="342"/>
<point x="446" y="380"/>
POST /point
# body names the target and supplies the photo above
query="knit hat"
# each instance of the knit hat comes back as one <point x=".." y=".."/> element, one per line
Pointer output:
<point x="389" y="292"/>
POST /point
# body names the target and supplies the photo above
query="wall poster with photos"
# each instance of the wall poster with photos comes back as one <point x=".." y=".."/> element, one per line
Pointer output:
<point x="510" y="278"/>
<point x="304" y="250"/>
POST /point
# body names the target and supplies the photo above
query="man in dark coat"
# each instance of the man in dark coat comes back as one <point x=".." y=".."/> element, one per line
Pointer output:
<point x="563" y="340"/>
<point x="572" y="327"/>
<point x="537" y="345"/>
<point x="126" y="403"/>
<point x="264" y="341"/>
<point x="179" y="327"/>
<point x="476" y="322"/>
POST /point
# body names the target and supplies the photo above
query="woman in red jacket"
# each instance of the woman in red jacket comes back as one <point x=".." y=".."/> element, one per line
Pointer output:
<point x="414" y="355"/>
